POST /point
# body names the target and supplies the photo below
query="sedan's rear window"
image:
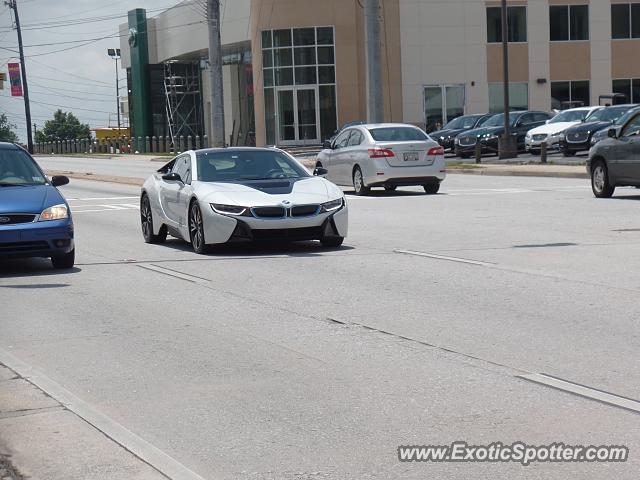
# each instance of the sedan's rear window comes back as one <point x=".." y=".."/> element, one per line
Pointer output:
<point x="398" y="134"/>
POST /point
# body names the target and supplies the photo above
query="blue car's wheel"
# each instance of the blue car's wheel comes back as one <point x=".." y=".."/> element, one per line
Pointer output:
<point x="64" y="262"/>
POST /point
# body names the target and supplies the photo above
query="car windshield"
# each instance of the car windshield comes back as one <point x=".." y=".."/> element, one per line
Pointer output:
<point x="624" y="118"/>
<point x="498" y="120"/>
<point x="570" y="116"/>
<point x="610" y="114"/>
<point x="18" y="168"/>
<point x="239" y="165"/>
<point x="398" y="134"/>
<point x="460" y="122"/>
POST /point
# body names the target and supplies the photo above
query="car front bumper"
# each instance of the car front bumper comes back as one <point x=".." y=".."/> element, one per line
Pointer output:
<point x="39" y="239"/>
<point x="575" y="146"/>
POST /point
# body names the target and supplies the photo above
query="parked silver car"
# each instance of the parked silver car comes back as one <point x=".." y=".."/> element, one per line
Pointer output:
<point x="386" y="155"/>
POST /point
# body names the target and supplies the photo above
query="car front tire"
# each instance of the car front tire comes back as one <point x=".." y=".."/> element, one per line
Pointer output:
<point x="196" y="229"/>
<point x="64" y="262"/>
<point x="600" y="180"/>
<point x="358" y="183"/>
<point x="146" y="220"/>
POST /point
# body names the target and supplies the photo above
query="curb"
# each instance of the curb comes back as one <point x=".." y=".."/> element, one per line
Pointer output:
<point x="98" y="178"/>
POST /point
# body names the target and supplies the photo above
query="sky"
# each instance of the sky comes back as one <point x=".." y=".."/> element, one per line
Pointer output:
<point x="82" y="78"/>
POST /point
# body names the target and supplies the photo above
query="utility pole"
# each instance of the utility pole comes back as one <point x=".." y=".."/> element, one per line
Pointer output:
<point x="25" y="88"/>
<point x="507" y="147"/>
<point x="115" y="54"/>
<point x="215" y="66"/>
<point x="375" y="104"/>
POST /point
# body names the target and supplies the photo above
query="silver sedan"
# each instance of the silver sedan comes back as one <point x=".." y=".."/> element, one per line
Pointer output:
<point x="385" y="155"/>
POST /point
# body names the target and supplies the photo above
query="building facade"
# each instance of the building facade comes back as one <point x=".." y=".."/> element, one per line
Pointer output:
<point x="295" y="69"/>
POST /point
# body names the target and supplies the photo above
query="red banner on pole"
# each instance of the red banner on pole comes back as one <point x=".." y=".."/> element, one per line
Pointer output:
<point x="14" y="79"/>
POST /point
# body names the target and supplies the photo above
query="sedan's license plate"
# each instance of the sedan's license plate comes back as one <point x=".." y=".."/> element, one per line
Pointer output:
<point x="411" y="157"/>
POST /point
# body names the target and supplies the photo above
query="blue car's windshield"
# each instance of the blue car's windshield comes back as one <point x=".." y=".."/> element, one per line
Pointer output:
<point x="18" y="168"/>
<point x="241" y="165"/>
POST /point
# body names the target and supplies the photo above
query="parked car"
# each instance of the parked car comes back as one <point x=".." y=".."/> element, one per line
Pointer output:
<point x="215" y="196"/>
<point x="615" y="161"/>
<point x="35" y="219"/>
<point x="604" y="133"/>
<point x="521" y="122"/>
<point x="552" y="130"/>
<point x="386" y="155"/>
<point x="455" y="127"/>
<point x="578" y="138"/>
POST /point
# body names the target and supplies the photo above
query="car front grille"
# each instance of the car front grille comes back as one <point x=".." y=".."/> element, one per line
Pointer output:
<point x="467" y="141"/>
<point x="304" y="210"/>
<point x="16" y="218"/>
<point x="269" y="212"/>
<point x="309" y="233"/>
<point x="539" y="137"/>
<point x="18" y="247"/>
<point x="577" y="137"/>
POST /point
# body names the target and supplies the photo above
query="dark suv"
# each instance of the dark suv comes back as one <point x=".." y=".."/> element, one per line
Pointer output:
<point x="615" y="161"/>
<point x="492" y="129"/>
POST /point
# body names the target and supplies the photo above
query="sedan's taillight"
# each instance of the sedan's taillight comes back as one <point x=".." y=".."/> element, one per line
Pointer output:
<point x="380" y="153"/>
<point x="439" y="150"/>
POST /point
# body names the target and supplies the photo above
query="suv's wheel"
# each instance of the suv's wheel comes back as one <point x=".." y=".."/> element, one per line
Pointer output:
<point x="146" y="219"/>
<point x="431" y="188"/>
<point x="64" y="262"/>
<point x="600" y="180"/>
<point x="196" y="229"/>
<point x="358" y="183"/>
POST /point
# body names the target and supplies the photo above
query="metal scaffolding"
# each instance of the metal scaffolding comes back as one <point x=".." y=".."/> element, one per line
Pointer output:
<point x="183" y="91"/>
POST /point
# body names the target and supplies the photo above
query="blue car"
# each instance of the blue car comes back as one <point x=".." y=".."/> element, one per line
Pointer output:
<point x="35" y="219"/>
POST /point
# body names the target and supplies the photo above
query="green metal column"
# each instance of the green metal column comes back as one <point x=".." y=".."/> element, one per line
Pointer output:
<point x="140" y="85"/>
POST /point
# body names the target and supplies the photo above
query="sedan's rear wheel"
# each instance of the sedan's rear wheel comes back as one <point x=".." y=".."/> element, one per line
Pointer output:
<point x="390" y="188"/>
<point x="600" y="181"/>
<point x="358" y="183"/>
<point x="146" y="219"/>
<point x="196" y="229"/>
<point x="431" y="188"/>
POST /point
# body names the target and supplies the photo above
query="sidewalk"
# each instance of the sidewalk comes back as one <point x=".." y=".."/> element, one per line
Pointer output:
<point x="41" y="440"/>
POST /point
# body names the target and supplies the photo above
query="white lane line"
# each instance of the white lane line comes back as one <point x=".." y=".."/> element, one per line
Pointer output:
<point x="583" y="391"/>
<point x="142" y="449"/>
<point x="444" y="257"/>
<point x="176" y="274"/>
<point x="95" y="199"/>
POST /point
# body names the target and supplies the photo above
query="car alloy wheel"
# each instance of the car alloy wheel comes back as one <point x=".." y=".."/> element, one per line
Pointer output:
<point x="196" y="229"/>
<point x="358" y="183"/>
<point x="600" y="181"/>
<point x="146" y="220"/>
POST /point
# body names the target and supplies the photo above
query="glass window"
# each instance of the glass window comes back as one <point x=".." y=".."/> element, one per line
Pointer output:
<point x="516" y="24"/>
<point x="541" y="117"/>
<point x="325" y="35"/>
<point x="560" y="93"/>
<point x="343" y="139"/>
<point x="580" y="92"/>
<point x="304" y="36"/>
<point x="570" y="94"/>
<point x="282" y="57"/>
<point x="398" y="134"/>
<point x="304" y="56"/>
<point x="306" y="76"/>
<point x="635" y="20"/>
<point x="284" y="76"/>
<point x="559" y="23"/>
<point x="266" y="39"/>
<point x="579" y="22"/>
<point x="325" y="56"/>
<point x="635" y="91"/>
<point x="268" y="77"/>
<point x="17" y="168"/>
<point x="282" y="38"/>
<point x="355" y="139"/>
<point x="232" y="165"/>
<point x="267" y="58"/>
<point x="632" y="128"/>
<point x="518" y="97"/>
<point x="630" y="88"/>
<point x="326" y="75"/>
<point x="620" y="20"/>
<point x="328" y="108"/>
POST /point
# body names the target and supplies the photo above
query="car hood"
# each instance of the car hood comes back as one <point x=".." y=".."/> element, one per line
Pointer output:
<point x="589" y="127"/>
<point x="480" y="132"/>
<point x="552" y="128"/>
<point x="30" y="199"/>
<point x="449" y="132"/>
<point x="256" y="193"/>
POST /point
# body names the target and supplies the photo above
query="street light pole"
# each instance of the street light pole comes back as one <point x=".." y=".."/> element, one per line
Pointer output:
<point x="115" y="54"/>
<point x="507" y="147"/>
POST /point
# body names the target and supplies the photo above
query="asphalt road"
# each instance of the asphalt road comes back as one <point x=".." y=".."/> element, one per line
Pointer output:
<point x="294" y="362"/>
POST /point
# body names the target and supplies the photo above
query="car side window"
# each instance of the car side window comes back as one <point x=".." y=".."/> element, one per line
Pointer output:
<point x="355" y="139"/>
<point x="526" y="119"/>
<point x="632" y="128"/>
<point x="183" y="168"/>
<point x="343" y="139"/>
<point x="540" y="117"/>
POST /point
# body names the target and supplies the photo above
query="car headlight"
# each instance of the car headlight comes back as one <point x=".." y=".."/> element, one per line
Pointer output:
<point x="332" y="206"/>
<point x="57" y="212"/>
<point x="234" y="210"/>
<point x="489" y="136"/>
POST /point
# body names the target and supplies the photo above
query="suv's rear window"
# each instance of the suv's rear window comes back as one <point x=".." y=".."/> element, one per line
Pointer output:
<point x="398" y="134"/>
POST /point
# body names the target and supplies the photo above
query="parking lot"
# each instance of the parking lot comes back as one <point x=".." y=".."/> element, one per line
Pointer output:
<point x="441" y="318"/>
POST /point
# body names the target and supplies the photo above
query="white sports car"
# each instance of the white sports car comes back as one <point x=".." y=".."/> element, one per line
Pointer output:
<point x="216" y="196"/>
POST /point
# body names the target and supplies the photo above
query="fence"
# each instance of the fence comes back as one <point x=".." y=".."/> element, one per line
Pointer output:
<point x="122" y="145"/>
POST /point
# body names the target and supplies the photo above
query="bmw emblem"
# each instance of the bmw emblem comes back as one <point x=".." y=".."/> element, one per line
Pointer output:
<point x="5" y="219"/>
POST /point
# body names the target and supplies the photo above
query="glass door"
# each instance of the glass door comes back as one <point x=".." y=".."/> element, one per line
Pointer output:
<point x="443" y="103"/>
<point x="298" y="116"/>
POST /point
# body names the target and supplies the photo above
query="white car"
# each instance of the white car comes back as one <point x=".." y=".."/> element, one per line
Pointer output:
<point x="552" y="131"/>
<point x="216" y="196"/>
<point x="386" y="155"/>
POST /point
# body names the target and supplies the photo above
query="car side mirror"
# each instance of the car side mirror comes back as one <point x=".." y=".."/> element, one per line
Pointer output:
<point x="327" y="145"/>
<point x="612" y="133"/>
<point x="171" y="177"/>
<point x="320" y="172"/>
<point x="59" y="180"/>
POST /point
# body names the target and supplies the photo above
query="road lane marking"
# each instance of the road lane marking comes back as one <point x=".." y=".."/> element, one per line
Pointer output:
<point x="96" y="199"/>
<point x="444" y="257"/>
<point x="583" y="391"/>
<point x="176" y="274"/>
<point x="139" y="447"/>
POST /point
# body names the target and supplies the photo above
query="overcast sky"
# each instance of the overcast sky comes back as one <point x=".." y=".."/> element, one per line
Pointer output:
<point x="82" y="77"/>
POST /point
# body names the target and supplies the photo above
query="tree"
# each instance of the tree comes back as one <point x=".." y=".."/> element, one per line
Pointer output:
<point x="64" y="126"/>
<point x="7" y="133"/>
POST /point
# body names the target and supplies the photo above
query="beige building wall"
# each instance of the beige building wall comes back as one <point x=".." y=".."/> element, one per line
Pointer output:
<point x="539" y="54"/>
<point x="600" y="36"/>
